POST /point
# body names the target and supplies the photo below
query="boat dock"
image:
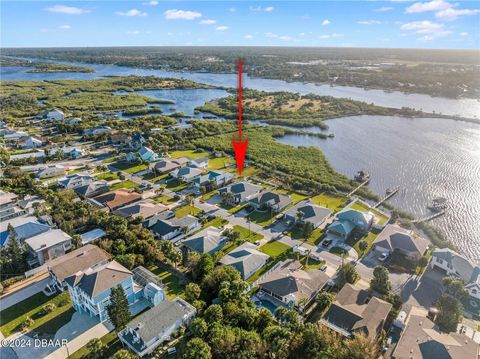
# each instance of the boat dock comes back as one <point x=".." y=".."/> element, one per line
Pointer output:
<point x="389" y="195"/>
<point x="358" y="187"/>
<point x="429" y="218"/>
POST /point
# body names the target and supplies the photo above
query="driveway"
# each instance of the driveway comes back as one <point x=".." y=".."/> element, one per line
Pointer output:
<point x="423" y="291"/>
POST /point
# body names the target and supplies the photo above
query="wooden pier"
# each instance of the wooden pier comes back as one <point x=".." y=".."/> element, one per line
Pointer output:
<point x="358" y="187"/>
<point x="391" y="194"/>
<point x="429" y="218"/>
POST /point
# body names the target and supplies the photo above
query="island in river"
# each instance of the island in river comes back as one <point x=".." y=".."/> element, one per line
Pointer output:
<point x="43" y="67"/>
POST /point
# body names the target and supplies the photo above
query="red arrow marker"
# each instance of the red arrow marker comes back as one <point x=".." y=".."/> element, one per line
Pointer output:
<point x="239" y="146"/>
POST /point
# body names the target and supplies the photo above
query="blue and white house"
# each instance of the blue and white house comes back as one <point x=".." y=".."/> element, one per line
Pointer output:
<point x="213" y="180"/>
<point x="349" y="220"/>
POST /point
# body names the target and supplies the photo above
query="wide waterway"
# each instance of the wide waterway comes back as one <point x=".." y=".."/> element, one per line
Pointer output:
<point x="427" y="157"/>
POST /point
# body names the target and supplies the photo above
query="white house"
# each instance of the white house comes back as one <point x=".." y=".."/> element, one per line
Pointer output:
<point x="47" y="246"/>
<point x="55" y="115"/>
<point x="30" y="142"/>
<point x="49" y="171"/>
<point x="75" y="180"/>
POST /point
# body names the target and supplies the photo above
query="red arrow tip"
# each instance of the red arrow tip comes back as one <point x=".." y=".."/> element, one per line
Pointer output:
<point x="240" y="148"/>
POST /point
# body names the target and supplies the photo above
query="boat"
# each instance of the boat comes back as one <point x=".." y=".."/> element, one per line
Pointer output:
<point x="438" y="204"/>
<point x="362" y="176"/>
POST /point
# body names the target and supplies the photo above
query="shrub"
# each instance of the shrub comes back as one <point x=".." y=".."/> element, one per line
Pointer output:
<point x="48" y="308"/>
<point x="27" y="323"/>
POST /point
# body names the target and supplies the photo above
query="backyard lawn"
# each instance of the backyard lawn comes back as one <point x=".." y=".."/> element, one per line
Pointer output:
<point x="171" y="281"/>
<point x="11" y="318"/>
<point x="130" y="167"/>
<point x="370" y="238"/>
<point x="333" y="202"/>
<point x="274" y="248"/>
<point x="124" y="184"/>
<point x="185" y="210"/>
<point x="246" y="235"/>
<point x="154" y="177"/>
<point x="296" y="197"/>
<point x="107" y="176"/>
<point x="175" y="185"/>
<point x="188" y="153"/>
<point x="219" y="163"/>
<point x="262" y="218"/>
<point x="110" y="340"/>
<point x="363" y="207"/>
<point x="164" y="199"/>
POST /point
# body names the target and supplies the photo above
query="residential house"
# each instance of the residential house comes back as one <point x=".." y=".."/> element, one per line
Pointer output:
<point x="47" y="246"/>
<point x="23" y="156"/>
<point x="90" y="289"/>
<point x="349" y="220"/>
<point x="212" y="180"/>
<point x="149" y="222"/>
<point x="168" y="165"/>
<point x="150" y="329"/>
<point x="93" y="235"/>
<point x="25" y="226"/>
<point x="240" y="192"/>
<point x="78" y="260"/>
<point x="55" y="115"/>
<point x="421" y="339"/>
<point x="115" y="199"/>
<point x="394" y="238"/>
<point x="13" y="136"/>
<point x="201" y="163"/>
<point x="289" y="283"/>
<point x="76" y="180"/>
<point x="8" y="206"/>
<point x="356" y="311"/>
<point x="28" y="203"/>
<point x="186" y="174"/>
<point x="92" y="189"/>
<point x="49" y="171"/>
<point x="246" y="259"/>
<point x="456" y="265"/>
<point x="137" y="141"/>
<point x="311" y="213"/>
<point x="144" y="208"/>
<point x="120" y="139"/>
<point x="148" y="155"/>
<point x="208" y="240"/>
<point x="72" y="152"/>
<point x="99" y="130"/>
<point x="174" y="228"/>
<point x="268" y="199"/>
<point x="29" y="142"/>
<point x="74" y="121"/>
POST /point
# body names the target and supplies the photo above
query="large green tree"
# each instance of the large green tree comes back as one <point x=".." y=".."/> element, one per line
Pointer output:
<point x="197" y="349"/>
<point x="381" y="280"/>
<point x="449" y="313"/>
<point x="118" y="308"/>
<point x="347" y="274"/>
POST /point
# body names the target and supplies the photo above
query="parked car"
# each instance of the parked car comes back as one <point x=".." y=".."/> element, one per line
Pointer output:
<point x="327" y="242"/>
<point x="383" y="257"/>
<point x="323" y="268"/>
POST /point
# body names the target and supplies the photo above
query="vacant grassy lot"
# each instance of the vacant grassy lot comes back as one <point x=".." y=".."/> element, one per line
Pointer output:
<point x="107" y="176"/>
<point x="216" y="222"/>
<point x="176" y="185"/>
<point x="130" y="167"/>
<point x="154" y="177"/>
<point x="219" y="163"/>
<point x="274" y="248"/>
<point x="124" y="184"/>
<point x="11" y="318"/>
<point x="333" y="202"/>
<point x="185" y="210"/>
<point x="188" y="153"/>
<point x="174" y="288"/>
<point x="246" y="235"/>
<point x="164" y="199"/>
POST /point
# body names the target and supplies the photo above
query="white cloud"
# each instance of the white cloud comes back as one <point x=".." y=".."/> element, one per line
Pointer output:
<point x="69" y="10"/>
<point x="151" y="3"/>
<point x="337" y="35"/>
<point x="270" y="35"/>
<point x="174" y="14"/>
<point x="324" y="36"/>
<point x="430" y="30"/>
<point x="261" y="9"/>
<point x="285" y="38"/>
<point x="208" y="22"/>
<point x="369" y="22"/>
<point x="221" y="28"/>
<point x="464" y="34"/>
<point x="301" y="34"/>
<point x="434" y="5"/>
<point x="65" y="27"/>
<point x="384" y="9"/>
<point x="232" y="9"/>
<point x="131" y="13"/>
<point x="268" y="9"/>
<point x="133" y="32"/>
<point x="248" y="37"/>
<point x="452" y="14"/>
<point x="326" y="22"/>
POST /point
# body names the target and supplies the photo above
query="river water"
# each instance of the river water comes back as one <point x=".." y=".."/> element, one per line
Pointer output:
<point x="426" y="157"/>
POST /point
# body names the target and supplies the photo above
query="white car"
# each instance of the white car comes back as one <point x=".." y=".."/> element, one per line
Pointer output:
<point x="323" y="268"/>
<point x="383" y="257"/>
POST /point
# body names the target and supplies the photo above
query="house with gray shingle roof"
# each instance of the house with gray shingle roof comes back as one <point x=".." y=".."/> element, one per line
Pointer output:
<point x="268" y="199"/>
<point x="312" y="213"/>
<point x="144" y="208"/>
<point x="208" y="240"/>
<point x="246" y="259"/>
<point x="173" y="228"/>
<point x="456" y="265"/>
<point x="394" y="238"/>
<point x="150" y="329"/>
<point x="239" y="192"/>
<point x="186" y="174"/>
<point x="92" y="189"/>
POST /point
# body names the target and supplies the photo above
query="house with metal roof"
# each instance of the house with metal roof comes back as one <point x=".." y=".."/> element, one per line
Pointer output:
<point x="246" y="259"/>
<point x="93" y="235"/>
<point x="311" y="212"/>
<point x="289" y="283"/>
<point x="92" y="189"/>
<point x="270" y="200"/>
<point x="394" y="238"/>
<point x="47" y="246"/>
<point x="348" y="220"/>
<point x="186" y="174"/>
<point x="456" y="265"/>
<point x="201" y="162"/>
<point x="168" y="165"/>
<point x="356" y="311"/>
<point x="76" y="180"/>
<point x="239" y="192"/>
<point x="150" y="329"/>
<point x="55" y="115"/>
<point x="208" y="240"/>
<point x="25" y="226"/>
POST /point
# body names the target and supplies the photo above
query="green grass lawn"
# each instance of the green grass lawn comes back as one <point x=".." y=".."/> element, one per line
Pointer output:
<point x="130" y="167"/>
<point x="171" y="281"/>
<point x="153" y="177"/>
<point x="189" y="154"/>
<point x="246" y="235"/>
<point x="12" y="317"/>
<point x="360" y="206"/>
<point x="284" y="255"/>
<point x="338" y="251"/>
<point x="110" y="340"/>
<point x="238" y="208"/>
<point x="296" y="197"/>
<point x="107" y="176"/>
<point x="315" y="237"/>
<point x="206" y="196"/>
<point x="164" y="199"/>
<point x="124" y="184"/>
<point x="216" y="222"/>
<point x="274" y="248"/>
<point x="333" y="202"/>
<point x="262" y="218"/>
<point x="187" y="209"/>
<point x="370" y="238"/>
<point x="112" y="159"/>
<point x="219" y="163"/>
<point x="297" y="232"/>
<point x="176" y="185"/>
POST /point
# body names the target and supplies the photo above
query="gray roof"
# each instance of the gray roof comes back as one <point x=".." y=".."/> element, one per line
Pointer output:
<point x="290" y="279"/>
<point x="312" y="213"/>
<point x="462" y="265"/>
<point x="394" y="237"/>
<point x="47" y="239"/>
<point x="158" y="217"/>
<point x="241" y="187"/>
<point x="245" y="258"/>
<point x="93" y="188"/>
<point x="25" y="227"/>
<point x="271" y="198"/>
<point x="143" y="276"/>
<point x="144" y="208"/>
<point x="94" y="282"/>
<point x="422" y="340"/>
<point x="163" y="227"/>
<point x="160" y="318"/>
<point x="208" y="240"/>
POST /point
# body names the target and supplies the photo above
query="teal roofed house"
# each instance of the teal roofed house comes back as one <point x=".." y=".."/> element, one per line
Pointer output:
<point x="349" y="220"/>
<point x="213" y="180"/>
<point x="148" y="155"/>
<point x="341" y="229"/>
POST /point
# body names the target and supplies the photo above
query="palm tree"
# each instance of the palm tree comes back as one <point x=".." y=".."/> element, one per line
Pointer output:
<point x="299" y="216"/>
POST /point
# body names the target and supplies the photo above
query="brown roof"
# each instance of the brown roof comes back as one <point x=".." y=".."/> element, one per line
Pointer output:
<point x="352" y="311"/>
<point x="118" y="198"/>
<point x="422" y="340"/>
<point x="78" y="260"/>
<point x="144" y="208"/>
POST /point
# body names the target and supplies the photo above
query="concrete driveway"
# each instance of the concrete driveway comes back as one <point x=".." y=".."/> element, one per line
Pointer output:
<point x="423" y="291"/>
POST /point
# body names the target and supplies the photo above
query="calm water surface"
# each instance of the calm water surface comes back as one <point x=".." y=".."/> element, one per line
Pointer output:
<point x="427" y="157"/>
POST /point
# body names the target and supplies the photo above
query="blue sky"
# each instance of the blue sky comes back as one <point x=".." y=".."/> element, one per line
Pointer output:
<point x="396" y="23"/>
